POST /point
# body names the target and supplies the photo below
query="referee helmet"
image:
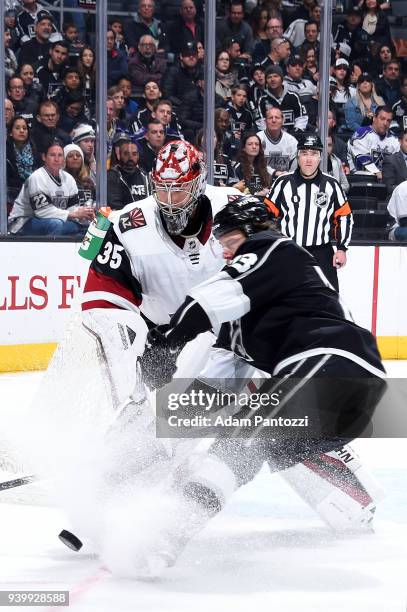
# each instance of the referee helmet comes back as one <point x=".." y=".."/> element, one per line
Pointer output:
<point x="310" y="141"/>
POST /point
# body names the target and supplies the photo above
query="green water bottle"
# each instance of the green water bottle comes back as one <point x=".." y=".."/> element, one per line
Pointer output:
<point x="96" y="233"/>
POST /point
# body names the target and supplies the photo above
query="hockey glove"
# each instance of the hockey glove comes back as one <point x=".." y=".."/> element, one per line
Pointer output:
<point x="158" y="362"/>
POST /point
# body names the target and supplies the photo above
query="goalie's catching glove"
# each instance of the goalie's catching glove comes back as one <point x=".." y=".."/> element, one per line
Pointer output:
<point x="158" y="362"/>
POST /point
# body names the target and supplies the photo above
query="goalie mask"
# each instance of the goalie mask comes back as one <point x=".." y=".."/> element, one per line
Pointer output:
<point x="178" y="179"/>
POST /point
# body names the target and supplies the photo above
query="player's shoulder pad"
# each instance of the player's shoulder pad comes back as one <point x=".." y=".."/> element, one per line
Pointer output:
<point x="133" y="216"/>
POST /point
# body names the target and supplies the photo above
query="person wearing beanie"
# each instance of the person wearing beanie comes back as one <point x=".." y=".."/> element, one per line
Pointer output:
<point x="84" y="136"/>
<point x="75" y="166"/>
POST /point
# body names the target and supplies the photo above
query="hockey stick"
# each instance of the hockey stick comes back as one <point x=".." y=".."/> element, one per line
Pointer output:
<point x="17" y="482"/>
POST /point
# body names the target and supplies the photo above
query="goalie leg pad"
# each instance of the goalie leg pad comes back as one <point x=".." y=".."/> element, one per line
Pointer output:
<point x="338" y="487"/>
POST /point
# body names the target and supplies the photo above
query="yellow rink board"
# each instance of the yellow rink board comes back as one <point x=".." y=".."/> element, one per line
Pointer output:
<point x="26" y="357"/>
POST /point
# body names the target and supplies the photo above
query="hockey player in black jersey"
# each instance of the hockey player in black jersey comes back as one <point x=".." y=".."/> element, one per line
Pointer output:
<point x="278" y="313"/>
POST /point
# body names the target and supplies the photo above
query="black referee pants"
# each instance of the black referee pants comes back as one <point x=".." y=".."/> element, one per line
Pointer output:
<point x="324" y="255"/>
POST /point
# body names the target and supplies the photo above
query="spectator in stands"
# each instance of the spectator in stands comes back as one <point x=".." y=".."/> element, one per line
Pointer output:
<point x="241" y="119"/>
<point x="277" y="95"/>
<point x="179" y="80"/>
<point x="36" y="49"/>
<point x="75" y="45"/>
<point x="250" y="168"/>
<point x="120" y="42"/>
<point x="304" y="88"/>
<point x="185" y="28"/>
<point x="388" y="87"/>
<point x="274" y="29"/>
<point x="10" y="60"/>
<point x="360" y="109"/>
<point x="22" y="157"/>
<point x="8" y="112"/>
<point x="50" y="73"/>
<point x="225" y="79"/>
<point x="150" y="145"/>
<point x="33" y="90"/>
<point x="395" y="166"/>
<point x="191" y="112"/>
<point x="117" y="95"/>
<point x="344" y="32"/>
<point x="239" y="65"/>
<point x="339" y="147"/>
<point x="126" y="182"/>
<point x="356" y="69"/>
<point x="222" y="167"/>
<point x="73" y="113"/>
<point x="201" y="52"/>
<point x="27" y="19"/>
<point x="311" y="70"/>
<point x="279" y="147"/>
<point x="279" y="53"/>
<point x="335" y="167"/>
<point x="162" y="110"/>
<point x="373" y="31"/>
<point x="258" y="23"/>
<point x="130" y="106"/>
<point x="144" y="23"/>
<point x="257" y="86"/>
<point x="152" y="93"/>
<point x="114" y="127"/>
<point x="116" y="61"/>
<point x="341" y="89"/>
<point x="11" y="23"/>
<point x="228" y="145"/>
<point x="370" y="144"/>
<point x="75" y="166"/>
<point x="398" y="210"/>
<point x="400" y="107"/>
<point x="25" y="107"/>
<point x="87" y="72"/>
<point x="45" y="129"/>
<point x="84" y="136"/>
<point x="303" y="10"/>
<point x="145" y="65"/>
<point x="311" y="34"/>
<point x="385" y="54"/>
<point x="234" y="26"/>
<point x="71" y="83"/>
<point x="48" y="203"/>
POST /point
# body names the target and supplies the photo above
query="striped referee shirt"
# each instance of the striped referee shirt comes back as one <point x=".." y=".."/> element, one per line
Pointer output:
<point x="311" y="211"/>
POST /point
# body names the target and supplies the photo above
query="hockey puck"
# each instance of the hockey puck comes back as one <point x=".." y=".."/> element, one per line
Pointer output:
<point x="70" y="540"/>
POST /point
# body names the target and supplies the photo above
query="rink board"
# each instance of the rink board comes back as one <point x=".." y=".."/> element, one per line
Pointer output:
<point x="40" y="286"/>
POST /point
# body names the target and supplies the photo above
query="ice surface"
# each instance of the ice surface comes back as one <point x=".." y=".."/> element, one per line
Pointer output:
<point x="267" y="551"/>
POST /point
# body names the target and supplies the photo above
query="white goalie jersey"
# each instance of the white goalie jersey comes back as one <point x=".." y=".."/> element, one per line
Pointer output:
<point x="141" y="267"/>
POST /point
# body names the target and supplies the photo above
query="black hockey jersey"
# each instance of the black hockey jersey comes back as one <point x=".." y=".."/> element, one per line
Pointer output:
<point x="275" y="308"/>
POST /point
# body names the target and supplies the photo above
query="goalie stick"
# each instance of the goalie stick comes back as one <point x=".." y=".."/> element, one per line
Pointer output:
<point x="17" y="482"/>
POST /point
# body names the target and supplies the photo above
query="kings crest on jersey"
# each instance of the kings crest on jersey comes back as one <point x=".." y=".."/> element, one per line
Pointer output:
<point x="140" y="266"/>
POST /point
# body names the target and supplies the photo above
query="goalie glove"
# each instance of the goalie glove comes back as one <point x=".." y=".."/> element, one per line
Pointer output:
<point x="158" y="362"/>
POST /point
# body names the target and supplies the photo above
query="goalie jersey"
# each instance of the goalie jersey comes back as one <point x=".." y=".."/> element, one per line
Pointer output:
<point x="140" y="266"/>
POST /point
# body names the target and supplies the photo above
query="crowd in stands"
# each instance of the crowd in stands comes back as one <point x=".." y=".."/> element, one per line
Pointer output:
<point x="266" y="94"/>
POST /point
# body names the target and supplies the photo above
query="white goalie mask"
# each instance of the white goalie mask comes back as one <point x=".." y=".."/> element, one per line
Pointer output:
<point x="178" y="179"/>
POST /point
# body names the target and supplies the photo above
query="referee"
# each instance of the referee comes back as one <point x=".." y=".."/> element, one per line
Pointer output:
<point x="313" y="209"/>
